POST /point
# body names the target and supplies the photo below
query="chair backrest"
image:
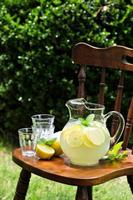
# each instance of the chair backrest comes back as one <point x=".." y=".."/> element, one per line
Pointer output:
<point x="114" y="57"/>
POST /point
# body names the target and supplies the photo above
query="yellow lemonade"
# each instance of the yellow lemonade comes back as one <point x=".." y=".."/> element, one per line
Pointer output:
<point x="85" y="145"/>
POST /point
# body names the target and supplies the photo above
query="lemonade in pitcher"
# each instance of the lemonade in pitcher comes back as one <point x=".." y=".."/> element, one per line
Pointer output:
<point x="85" y="138"/>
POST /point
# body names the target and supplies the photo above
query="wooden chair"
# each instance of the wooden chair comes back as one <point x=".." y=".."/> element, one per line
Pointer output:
<point x="85" y="178"/>
<point x="115" y="58"/>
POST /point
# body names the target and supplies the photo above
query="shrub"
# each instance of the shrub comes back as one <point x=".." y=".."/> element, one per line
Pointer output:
<point x="37" y="75"/>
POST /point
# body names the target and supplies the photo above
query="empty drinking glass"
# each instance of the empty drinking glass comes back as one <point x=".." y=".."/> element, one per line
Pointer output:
<point x="42" y="119"/>
<point x="27" y="140"/>
<point x="43" y="125"/>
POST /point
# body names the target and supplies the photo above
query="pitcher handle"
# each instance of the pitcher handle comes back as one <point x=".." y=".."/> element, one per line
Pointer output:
<point x="121" y="126"/>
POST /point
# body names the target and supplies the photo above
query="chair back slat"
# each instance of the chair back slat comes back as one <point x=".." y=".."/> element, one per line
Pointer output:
<point x="101" y="88"/>
<point x="115" y="57"/>
<point x="81" y="80"/>
<point x="120" y="87"/>
<point x="129" y="125"/>
<point x="118" y="102"/>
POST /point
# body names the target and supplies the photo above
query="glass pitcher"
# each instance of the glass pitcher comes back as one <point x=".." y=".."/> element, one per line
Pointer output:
<point x="85" y="138"/>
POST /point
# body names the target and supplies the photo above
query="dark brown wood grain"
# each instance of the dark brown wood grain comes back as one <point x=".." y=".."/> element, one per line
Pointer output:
<point x="114" y="57"/>
<point x="56" y="169"/>
<point x="22" y="185"/>
<point x="84" y="193"/>
<point x="129" y="125"/>
<point x="81" y="79"/>
<point x="118" y="102"/>
<point x="130" y="182"/>
<point x="101" y="88"/>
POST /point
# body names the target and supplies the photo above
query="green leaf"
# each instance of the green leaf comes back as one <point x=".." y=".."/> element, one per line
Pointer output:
<point x="84" y="122"/>
<point x="116" y="148"/>
<point x="90" y="118"/>
<point x="42" y="141"/>
<point x="116" y="154"/>
<point x="49" y="142"/>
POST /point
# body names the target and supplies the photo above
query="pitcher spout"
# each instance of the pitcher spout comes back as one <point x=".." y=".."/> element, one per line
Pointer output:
<point x="76" y="107"/>
<point x="81" y="108"/>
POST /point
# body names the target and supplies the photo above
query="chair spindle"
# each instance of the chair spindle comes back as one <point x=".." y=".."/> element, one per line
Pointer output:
<point x="118" y="101"/>
<point x="119" y="93"/>
<point x="129" y="125"/>
<point x="101" y="88"/>
<point x="81" y="80"/>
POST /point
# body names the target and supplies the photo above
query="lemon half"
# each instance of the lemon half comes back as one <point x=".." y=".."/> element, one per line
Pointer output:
<point x="57" y="147"/>
<point x="44" y="151"/>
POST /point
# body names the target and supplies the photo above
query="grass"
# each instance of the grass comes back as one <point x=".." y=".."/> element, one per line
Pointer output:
<point x="41" y="189"/>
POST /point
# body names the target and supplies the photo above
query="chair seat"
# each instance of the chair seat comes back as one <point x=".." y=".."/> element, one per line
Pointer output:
<point x="58" y="169"/>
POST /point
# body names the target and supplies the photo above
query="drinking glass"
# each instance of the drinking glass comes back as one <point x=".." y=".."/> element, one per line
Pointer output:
<point x="43" y="119"/>
<point x="43" y="131"/>
<point x="43" y="125"/>
<point x="27" y="140"/>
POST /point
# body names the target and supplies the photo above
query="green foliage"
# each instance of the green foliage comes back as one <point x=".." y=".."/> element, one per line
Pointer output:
<point x="116" y="153"/>
<point x="37" y="75"/>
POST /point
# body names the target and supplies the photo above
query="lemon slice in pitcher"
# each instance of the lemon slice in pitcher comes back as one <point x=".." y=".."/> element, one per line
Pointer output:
<point x="94" y="137"/>
<point x="74" y="135"/>
<point x="87" y="141"/>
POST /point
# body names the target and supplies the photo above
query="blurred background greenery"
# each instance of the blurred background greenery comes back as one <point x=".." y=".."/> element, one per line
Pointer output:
<point x="36" y="70"/>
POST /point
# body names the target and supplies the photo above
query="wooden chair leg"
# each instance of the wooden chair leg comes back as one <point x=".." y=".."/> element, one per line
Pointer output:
<point x="84" y="193"/>
<point x="130" y="182"/>
<point x="22" y="185"/>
